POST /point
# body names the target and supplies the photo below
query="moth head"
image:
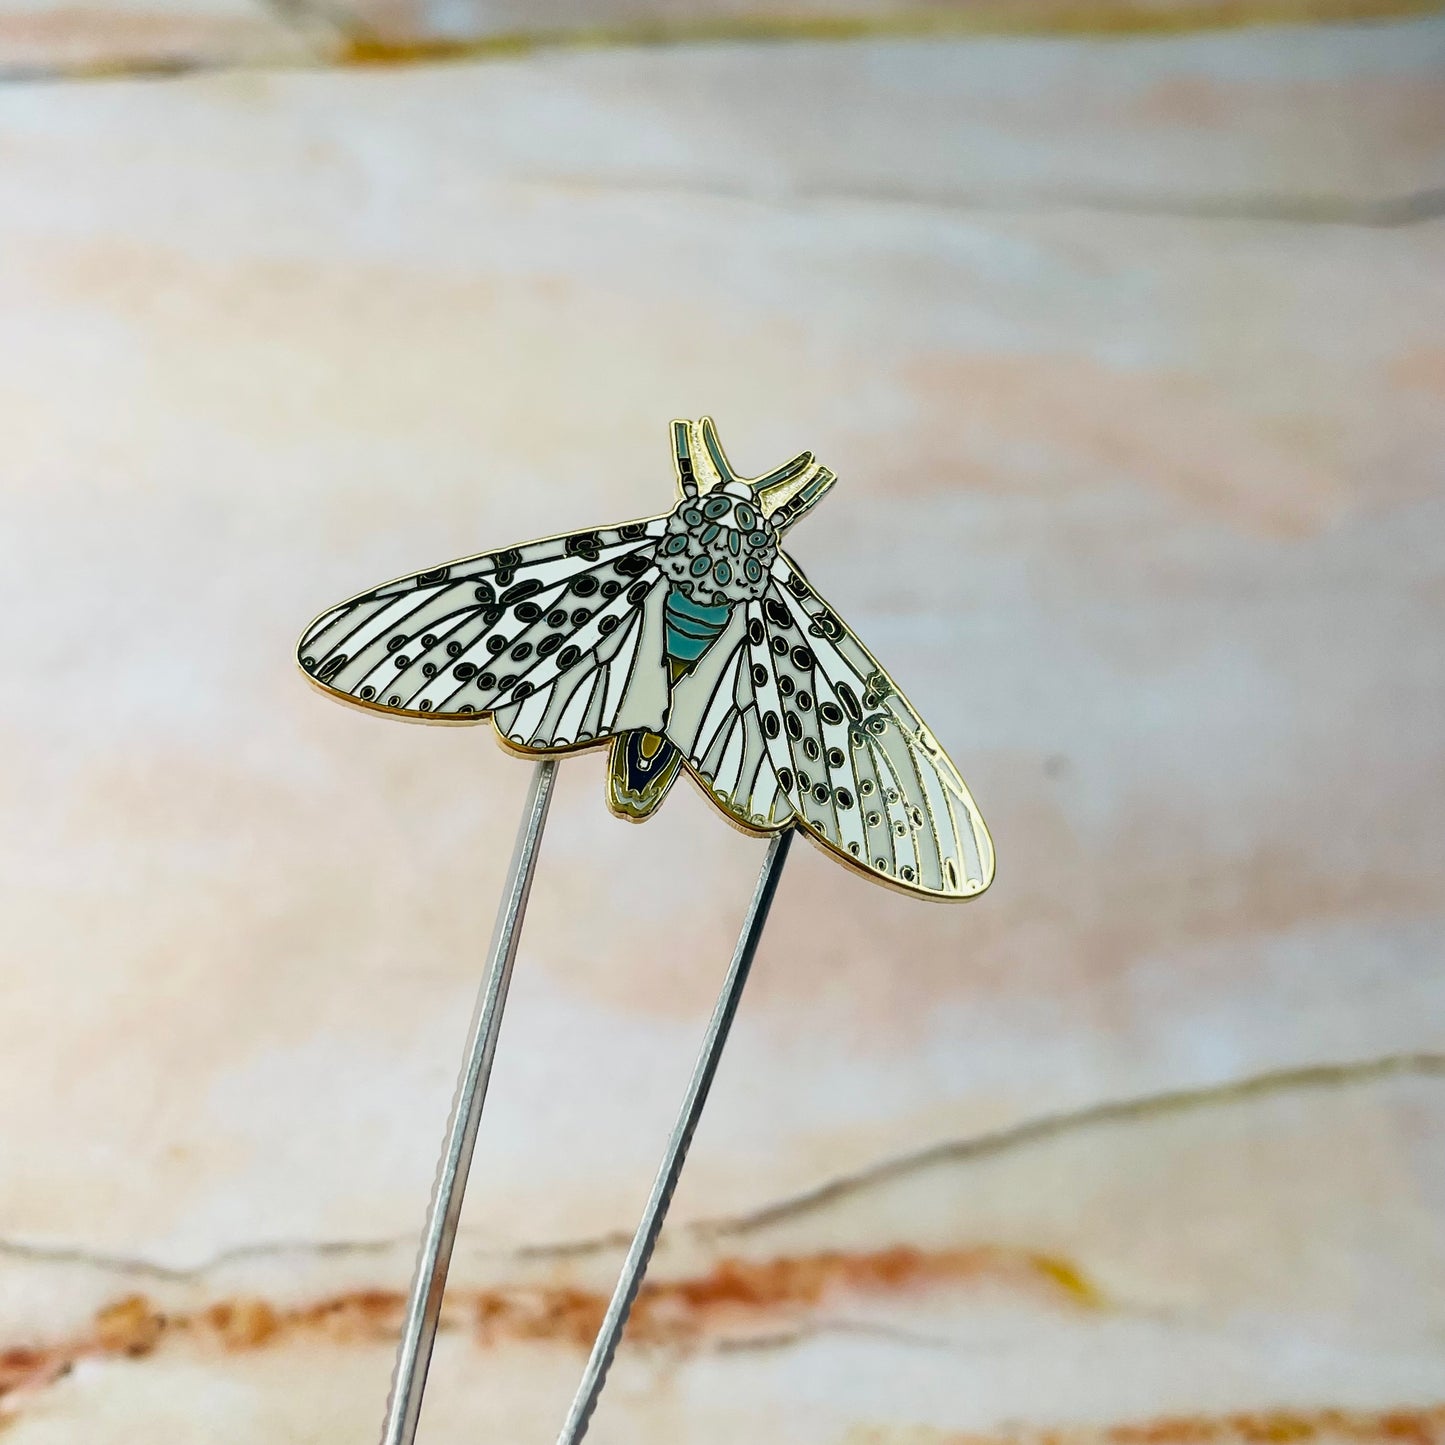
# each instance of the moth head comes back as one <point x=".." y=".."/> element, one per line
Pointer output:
<point x="782" y="496"/>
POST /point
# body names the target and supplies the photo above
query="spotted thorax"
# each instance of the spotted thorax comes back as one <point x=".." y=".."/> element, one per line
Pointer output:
<point x="719" y="548"/>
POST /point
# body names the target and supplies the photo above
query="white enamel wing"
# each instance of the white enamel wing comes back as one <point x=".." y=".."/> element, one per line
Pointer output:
<point x="559" y="641"/>
<point x="785" y="718"/>
<point x="790" y="719"/>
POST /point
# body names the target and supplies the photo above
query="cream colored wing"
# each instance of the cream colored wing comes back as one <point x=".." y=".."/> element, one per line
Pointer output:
<point x="797" y="719"/>
<point x="560" y="641"/>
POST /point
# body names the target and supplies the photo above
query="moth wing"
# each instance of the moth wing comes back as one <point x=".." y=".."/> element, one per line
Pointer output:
<point x="812" y="715"/>
<point x="560" y="641"/>
<point x="715" y="722"/>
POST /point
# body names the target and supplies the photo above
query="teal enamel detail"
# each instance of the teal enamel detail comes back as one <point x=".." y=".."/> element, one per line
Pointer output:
<point x="691" y="627"/>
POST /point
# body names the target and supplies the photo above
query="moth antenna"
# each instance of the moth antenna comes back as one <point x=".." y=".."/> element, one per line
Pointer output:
<point x="780" y="476"/>
<point x="804" y="499"/>
<point x="715" y="451"/>
<point x="682" y="458"/>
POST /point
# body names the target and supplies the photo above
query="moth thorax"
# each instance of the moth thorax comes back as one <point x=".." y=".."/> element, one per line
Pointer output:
<point x="719" y="546"/>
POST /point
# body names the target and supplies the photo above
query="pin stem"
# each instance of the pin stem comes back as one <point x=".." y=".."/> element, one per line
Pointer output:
<point x="419" y="1327"/>
<point x="650" y="1226"/>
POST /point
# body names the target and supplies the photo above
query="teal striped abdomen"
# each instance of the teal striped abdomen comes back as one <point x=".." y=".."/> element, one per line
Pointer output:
<point x="691" y="628"/>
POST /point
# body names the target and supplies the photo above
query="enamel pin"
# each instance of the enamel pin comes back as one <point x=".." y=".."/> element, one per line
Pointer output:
<point x="687" y="642"/>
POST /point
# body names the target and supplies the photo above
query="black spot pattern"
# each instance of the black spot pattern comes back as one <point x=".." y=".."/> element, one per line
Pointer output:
<point x="826" y="722"/>
<point x="437" y="629"/>
<point x="461" y="614"/>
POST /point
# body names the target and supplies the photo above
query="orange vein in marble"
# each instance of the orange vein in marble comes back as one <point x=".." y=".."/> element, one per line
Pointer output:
<point x="1045" y="17"/>
<point x="361" y="45"/>
<point x="1407" y="1425"/>
<point x="733" y="1293"/>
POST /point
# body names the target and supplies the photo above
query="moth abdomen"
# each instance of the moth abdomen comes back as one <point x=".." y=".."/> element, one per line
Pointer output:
<point x="691" y="627"/>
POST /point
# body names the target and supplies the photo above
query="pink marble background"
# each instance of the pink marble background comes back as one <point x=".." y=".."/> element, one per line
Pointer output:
<point x="1129" y="350"/>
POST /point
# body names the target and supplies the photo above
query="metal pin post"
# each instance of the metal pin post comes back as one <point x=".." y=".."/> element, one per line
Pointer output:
<point x="650" y="1226"/>
<point x="423" y="1308"/>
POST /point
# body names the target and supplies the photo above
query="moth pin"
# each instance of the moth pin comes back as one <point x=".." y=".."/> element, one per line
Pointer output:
<point x="688" y="642"/>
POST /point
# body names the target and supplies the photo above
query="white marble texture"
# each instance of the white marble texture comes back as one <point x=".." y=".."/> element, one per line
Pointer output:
<point x="1135" y="394"/>
<point x="48" y="38"/>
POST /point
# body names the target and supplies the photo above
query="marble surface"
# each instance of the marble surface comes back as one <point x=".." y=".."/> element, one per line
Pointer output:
<point x="1129" y="357"/>
<point x="86" y="39"/>
<point x="42" y="39"/>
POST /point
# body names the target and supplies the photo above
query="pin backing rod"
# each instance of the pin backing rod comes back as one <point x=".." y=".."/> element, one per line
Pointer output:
<point x="423" y="1308"/>
<point x="650" y="1226"/>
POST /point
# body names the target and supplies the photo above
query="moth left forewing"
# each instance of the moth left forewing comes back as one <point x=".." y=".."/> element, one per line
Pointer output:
<point x="559" y="640"/>
<point x="619" y="683"/>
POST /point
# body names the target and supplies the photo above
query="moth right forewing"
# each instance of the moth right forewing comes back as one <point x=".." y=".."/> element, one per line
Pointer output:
<point x="863" y="773"/>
